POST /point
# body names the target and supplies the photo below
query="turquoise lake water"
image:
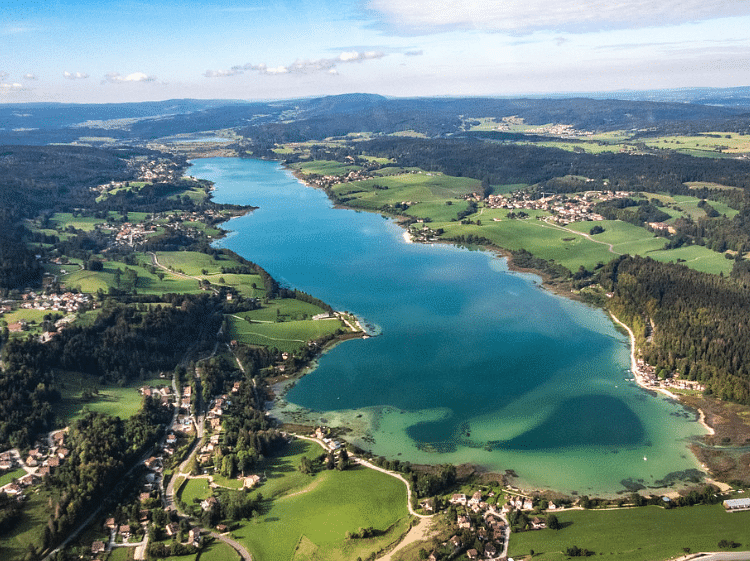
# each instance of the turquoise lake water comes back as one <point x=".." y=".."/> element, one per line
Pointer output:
<point x="472" y="363"/>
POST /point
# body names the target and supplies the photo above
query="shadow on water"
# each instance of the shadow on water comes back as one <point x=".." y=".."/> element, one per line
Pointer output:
<point x="591" y="420"/>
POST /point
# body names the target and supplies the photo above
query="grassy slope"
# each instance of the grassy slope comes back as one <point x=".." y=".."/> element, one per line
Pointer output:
<point x="316" y="512"/>
<point x="29" y="529"/>
<point x="117" y="401"/>
<point x="284" y="324"/>
<point x="639" y="534"/>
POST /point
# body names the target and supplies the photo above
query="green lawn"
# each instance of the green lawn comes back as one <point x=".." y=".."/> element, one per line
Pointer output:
<point x="194" y="489"/>
<point x="193" y="263"/>
<point x="219" y="551"/>
<point x="126" y="554"/>
<point x="284" y="309"/>
<point x="29" y="529"/>
<point x="697" y="257"/>
<point x="225" y="482"/>
<point x="11" y="475"/>
<point x="288" y="336"/>
<point x="637" y="534"/>
<point x="437" y="210"/>
<point x="310" y="516"/>
<point x="117" y="401"/>
<point x="411" y="187"/>
<point x="541" y="239"/>
<point x="325" y="167"/>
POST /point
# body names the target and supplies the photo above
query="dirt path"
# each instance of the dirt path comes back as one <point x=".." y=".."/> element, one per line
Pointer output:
<point x="417" y="533"/>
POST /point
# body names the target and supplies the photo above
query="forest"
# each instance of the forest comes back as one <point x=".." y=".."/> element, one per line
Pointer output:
<point x="686" y="322"/>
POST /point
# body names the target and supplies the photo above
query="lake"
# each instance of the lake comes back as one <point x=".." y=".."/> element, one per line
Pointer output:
<point x="472" y="363"/>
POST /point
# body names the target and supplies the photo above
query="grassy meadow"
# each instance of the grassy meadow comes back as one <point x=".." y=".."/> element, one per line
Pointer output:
<point x="30" y="528"/>
<point x="309" y="515"/>
<point x="112" y="400"/>
<point x="636" y="534"/>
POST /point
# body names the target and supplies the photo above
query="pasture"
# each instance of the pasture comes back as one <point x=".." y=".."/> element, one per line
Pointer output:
<point x="636" y="534"/>
<point x="309" y="516"/>
<point x="123" y="402"/>
<point x="287" y="336"/>
<point x="417" y="187"/>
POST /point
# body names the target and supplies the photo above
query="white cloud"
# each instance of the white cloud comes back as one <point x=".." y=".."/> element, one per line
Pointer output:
<point x="521" y="16"/>
<point x="75" y="75"/>
<point x="117" y="78"/>
<point x="299" y="66"/>
<point x="420" y="52"/>
<point x="29" y="76"/>
<point x="9" y="88"/>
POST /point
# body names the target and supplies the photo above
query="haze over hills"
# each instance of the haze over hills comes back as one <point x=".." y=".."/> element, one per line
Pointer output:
<point x="41" y="123"/>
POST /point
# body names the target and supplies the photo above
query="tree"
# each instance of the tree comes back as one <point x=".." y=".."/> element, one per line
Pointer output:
<point x="305" y="465"/>
<point x="343" y="462"/>
<point x="552" y="522"/>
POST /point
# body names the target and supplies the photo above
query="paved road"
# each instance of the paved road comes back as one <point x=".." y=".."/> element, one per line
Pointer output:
<point x="718" y="556"/>
<point x="238" y="547"/>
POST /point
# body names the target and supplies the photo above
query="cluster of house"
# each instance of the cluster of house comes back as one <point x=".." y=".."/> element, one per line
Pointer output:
<point x="132" y="234"/>
<point x="646" y="375"/>
<point x="662" y="227"/>
<point x="423" y="234"/>
<point x="216" y="412"/>
<point x="164" y="392"/>
<point x="69" y="302"/>
<point x="39" y="463"/>
<point x="150" y="171"/>
<point x="560" y="131"/>
<point x="563" y="209"/>
<point x="206" y="452"/>
<point x="321" y="433"/>
<point x="491" y="529"/>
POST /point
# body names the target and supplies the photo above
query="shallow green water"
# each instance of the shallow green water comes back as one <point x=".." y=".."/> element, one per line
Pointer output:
<point x="473" y="363"/>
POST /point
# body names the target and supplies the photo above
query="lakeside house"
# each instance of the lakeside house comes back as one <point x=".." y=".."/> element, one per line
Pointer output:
<point x="736" y="505"/>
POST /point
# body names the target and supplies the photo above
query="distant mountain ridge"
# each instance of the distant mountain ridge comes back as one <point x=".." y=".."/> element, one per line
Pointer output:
<point x="317" y="118"/>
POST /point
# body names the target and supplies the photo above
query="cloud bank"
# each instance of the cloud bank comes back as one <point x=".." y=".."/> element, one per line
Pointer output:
<point x="117" y="78"/>
<point x="524" y="16"/>
<point x="6" y="88"/>
<point x="75" y="75"/>
<point x="299" y="66"/>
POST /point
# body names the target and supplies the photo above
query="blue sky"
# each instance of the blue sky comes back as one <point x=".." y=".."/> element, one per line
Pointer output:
<point x="113" y="51"/>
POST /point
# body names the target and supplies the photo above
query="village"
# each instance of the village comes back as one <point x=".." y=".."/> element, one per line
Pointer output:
<point x="563" y="208"/>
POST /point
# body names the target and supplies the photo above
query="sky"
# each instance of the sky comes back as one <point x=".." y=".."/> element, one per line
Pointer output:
<point x="118" y="51"/>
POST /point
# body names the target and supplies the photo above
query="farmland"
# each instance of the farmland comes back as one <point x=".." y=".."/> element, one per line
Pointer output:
<point x="638" y="534"/>
<point x="309" y="516"/>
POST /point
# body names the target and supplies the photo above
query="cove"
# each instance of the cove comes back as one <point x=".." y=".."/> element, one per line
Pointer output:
<point x="473" y="363"/>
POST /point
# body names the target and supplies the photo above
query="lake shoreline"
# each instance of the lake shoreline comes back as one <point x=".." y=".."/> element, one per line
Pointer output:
<point x="554" y="288"/>
<point x="563" y="289"/>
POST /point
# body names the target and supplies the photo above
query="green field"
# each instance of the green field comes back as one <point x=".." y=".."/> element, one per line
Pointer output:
<point x="325" y="167"/>
<point x="637" y="534"/>
<point x="410" y="187"/>
<point x="696" y="257"/>
<point x="311" y="515"/>
<point x="287" y="336"/>
<point x="541" y="239"/>
<point x="218" y="551"/>
<point x="29" y="530"/>
<point x="194" y="490"/>
<point x="117" y="401"/>
<point x="11" y="475"/>
<point x="193" y="263"/>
